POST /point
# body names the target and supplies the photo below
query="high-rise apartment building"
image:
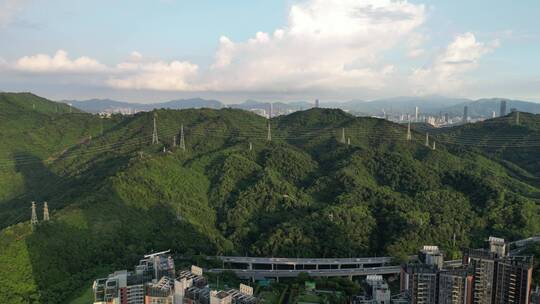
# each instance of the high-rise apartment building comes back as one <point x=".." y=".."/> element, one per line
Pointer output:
<point x="513" y="280"/>
<point x="486" y="276"/>
<point x="420" y="281"/>
<point x="455" y="287"/>
<point x="482" y="264"/>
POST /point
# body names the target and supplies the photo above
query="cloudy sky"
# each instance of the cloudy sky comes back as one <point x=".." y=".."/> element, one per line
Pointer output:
<point x="270" y="49"/>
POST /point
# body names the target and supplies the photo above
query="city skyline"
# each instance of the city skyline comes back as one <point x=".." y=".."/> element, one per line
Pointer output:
<point x="271" y="50"/>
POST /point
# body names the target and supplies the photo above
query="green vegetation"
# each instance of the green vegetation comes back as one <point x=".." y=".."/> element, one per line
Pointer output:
<point x="115" y="196"/>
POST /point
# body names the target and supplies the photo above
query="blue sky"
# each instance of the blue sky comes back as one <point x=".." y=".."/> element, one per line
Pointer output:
<point x="335" y="50"/>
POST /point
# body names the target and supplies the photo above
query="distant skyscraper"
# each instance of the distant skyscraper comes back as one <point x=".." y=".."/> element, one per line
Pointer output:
<point x="465" y="114"/>
<point x="503" y="108"/>
<point x="316" y="103"/>
<point x="416" y="110"/>
<point x="493" y="114"/>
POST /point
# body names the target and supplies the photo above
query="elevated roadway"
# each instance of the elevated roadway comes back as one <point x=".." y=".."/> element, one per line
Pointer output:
<point x="336" y="262"/>
<point x="258" y="274"/>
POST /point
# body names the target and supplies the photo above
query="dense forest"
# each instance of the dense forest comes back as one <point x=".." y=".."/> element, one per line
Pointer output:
<point x="327" y="184"/>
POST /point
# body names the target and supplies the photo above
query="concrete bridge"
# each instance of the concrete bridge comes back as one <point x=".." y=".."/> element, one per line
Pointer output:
<point x="258" y="274"/>
<point x="525" y="242"/>
<point x="259" y="268"/>
<point x="303" y="263"/>
<point x="517" y="247"/>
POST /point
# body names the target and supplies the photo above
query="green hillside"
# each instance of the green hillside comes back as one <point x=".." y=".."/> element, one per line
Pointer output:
<point x="305" y="193"/>
<point x="511" y="139"/>
<point x="34" y="132"/>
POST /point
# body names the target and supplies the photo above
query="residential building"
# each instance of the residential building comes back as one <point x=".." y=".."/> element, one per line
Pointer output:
<point x="455" y="287"/>
<point x="513" y="280"/>
<point x="420" y="281"/>
<point x="152" y="281"/>
<point x="220" y="297"/>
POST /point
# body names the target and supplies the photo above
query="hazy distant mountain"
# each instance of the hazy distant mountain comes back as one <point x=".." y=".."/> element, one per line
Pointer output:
<point x="433" y="105"/>
<point x="397" y="105"/>
<point x="427" y="104"/>
<point x="486" y="107"/>
<point x="101" y="105"/>
<point x="195" y="103"/>
<point x="278" y="106"/>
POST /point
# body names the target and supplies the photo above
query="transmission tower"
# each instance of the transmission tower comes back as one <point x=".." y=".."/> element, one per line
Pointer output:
<point x="182" y="139"/>
<point x="517" y="118"/>
<point x="174" y="141"/>
<point x="155" y="139"/>
<point x="34" y="220"/>
<point x="409" y="135"/>
<point x="250" y="146"/>
<point x="427" y="139"/>
<point x="269" y="136"/>
<point x="342" y="135"/>
<point x="45" y="212"/>
<point x="433" y="145"/>
<point x="348" y="141"/>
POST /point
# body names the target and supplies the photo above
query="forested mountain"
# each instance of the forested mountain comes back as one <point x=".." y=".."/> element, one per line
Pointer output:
<point x="305" y="193"/>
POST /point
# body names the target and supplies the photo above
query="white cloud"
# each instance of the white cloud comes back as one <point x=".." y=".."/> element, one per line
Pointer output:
<point x="59" y="63"/>
<point x="446" y="72"/>
<point x="8" y="8"/>
<point x="414" y="45"/>
<point x="415" y="53"/>
<point x="139" y="73"/>
<point x="327" y="44"/>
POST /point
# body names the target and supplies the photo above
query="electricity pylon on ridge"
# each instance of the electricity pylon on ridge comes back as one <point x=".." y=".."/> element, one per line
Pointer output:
<point x="433" y="145"/>
<point x="45" y="212"/>
<point x="182" y="139"/>
<point x="34" y="219"/>
<point x="427" y="139"/>
<point x="155" y="139"/>
<point x="269" y="135"/>
<point x="409" y="135"/>
<point x="342" y="135"/>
